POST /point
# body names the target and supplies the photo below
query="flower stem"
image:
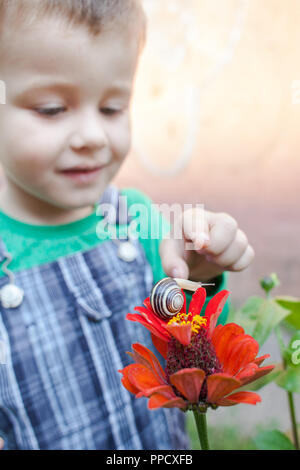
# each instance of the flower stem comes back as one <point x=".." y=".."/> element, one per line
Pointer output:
<point x="200" y="419"/>
<point x="289" y="394"/>
<point x="293" y="419"/>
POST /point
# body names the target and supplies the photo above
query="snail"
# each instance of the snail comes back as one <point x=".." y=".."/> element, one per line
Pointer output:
<point x="166" y="297"/>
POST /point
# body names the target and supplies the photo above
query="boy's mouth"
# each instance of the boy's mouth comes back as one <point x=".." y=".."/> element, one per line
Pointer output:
<point x="82" y="174"/>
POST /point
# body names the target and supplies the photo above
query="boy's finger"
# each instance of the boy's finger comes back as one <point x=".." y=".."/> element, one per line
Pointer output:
<point x="244" y="260"/>
<point x="173" y="263"/>
<point x="223" y="229"/>
<point x="195" y="227"/>
<point x="234" y="252"/>
<point x="1" y="443"/>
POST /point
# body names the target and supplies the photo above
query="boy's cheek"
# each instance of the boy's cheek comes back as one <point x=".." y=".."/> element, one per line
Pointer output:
<point x="120" y="137"/>
<point x="26" y="164"/>
<point x="25" y="150"/>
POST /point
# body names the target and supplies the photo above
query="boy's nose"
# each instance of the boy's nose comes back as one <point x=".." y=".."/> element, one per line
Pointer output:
<point x="89" y="133"/>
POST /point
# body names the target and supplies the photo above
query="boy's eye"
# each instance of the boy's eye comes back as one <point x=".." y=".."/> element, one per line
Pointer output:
<point x="110" y="111"/>
<point x="54" y="111"/>
<point x="50" y="111"/>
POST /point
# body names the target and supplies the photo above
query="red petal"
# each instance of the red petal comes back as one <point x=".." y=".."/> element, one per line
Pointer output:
<point x="148" y="304"/>
<point x="250" y="398"/>
<point x="182" y="333"/>
<point x="165" y="390"/>
<point x="214" y="309"/>
<point x="126" y="382"/>
<point x="247" y="372"/>
<point x="142" y="378"/>
<point x="197" y="302"/>
<point x="189" y="383"/>
<point x="219" y="385"/>
<point x="144" y="356"/>
<point x="160" y="345"/>
<point x="151" y="317"/>
<point x="222" y="338"/>
<point x="159" y="401"/>
<point x="260" y="360"/>
<point x="183" y="309"/>
<point x="243" y="350"/>
<point x="260" y="372"/>
<point x="160" y="333"/>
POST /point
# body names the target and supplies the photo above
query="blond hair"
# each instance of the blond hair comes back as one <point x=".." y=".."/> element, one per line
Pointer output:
<point x="96" y="15"/>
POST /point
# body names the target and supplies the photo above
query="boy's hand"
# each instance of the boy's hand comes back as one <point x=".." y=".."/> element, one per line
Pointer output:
<point x="1" y="443"/>
<point x="218" y="245"/>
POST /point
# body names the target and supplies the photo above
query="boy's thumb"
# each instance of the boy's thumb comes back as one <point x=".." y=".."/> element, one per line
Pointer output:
<point x="172" y="260"/>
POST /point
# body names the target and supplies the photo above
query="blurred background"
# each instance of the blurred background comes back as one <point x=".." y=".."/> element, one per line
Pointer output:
<point x="216" y="121"/>
<point x="216" y="116"/>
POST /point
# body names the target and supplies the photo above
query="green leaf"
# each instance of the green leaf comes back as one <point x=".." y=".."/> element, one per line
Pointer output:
<point x="247" y="315"/>
<point x="273" y="440"/>
<point x="267" y="318"/>
<point x="293" y="305"/>
<point x="290" y="380"/>
<point x="259" y="316"/>
<point x="231" y="313"/>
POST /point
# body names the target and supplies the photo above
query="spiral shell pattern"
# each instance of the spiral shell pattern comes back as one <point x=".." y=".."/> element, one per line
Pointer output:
<point x="166" y="298"/>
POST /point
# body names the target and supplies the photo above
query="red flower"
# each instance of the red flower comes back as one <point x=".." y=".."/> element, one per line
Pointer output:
<point x="181" y="326"/>
<point x="204" y="363"/>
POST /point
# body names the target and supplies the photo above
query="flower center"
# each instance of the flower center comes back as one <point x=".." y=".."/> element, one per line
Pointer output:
<point x="187" y="319"/>
<point x="200" y="353"/>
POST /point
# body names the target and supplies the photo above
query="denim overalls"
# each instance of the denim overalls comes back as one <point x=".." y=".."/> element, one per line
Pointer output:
<point x="59" y="386"/>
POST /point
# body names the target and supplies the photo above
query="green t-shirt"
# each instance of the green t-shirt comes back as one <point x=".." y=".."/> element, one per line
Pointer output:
<point x="32" y="245"/>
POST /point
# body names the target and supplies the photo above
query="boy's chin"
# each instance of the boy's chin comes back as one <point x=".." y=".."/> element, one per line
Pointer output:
<point x="73" y="206"/>
<point x="81" y="201"/>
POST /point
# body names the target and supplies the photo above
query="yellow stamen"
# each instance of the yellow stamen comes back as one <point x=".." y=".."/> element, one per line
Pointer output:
<point x="183" y="319"/>
<point x="198" y="321"/>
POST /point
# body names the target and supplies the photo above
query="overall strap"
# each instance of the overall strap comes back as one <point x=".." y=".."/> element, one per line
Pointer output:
<point x="3" y="251"/>
<point x="5" y="259"/>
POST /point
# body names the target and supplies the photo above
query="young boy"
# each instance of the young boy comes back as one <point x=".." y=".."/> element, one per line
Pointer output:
<point x="69" y="67"/>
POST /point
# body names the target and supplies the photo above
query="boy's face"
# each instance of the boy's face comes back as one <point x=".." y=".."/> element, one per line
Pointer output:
<point x="65" y="128"/>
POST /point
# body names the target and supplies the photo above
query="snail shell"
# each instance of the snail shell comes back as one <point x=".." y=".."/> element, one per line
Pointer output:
<point x="166" y="298"/>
